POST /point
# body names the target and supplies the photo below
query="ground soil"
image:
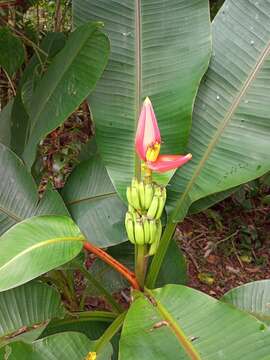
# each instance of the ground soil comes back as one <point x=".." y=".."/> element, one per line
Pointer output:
<point x="228" y="248"/>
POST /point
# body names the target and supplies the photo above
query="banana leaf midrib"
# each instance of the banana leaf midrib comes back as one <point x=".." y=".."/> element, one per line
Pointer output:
<point x="59" y="239"/>
<point x="138" y="72"/>
<point x="223" y="125"/>
<point x="175" y="328"/>
<point x="92" y="198"/>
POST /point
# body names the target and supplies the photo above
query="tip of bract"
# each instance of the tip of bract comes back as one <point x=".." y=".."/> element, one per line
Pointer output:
<point x="147" y="101"/>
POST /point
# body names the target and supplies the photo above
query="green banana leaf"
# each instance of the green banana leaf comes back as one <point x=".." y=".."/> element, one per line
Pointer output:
<point x="177" y="322"/>
<point x="253" y="297"/>
<point x="90" y="323"/>
<point x="35" y="246"/>
<point x="26" y="307"/>
<point x="64" y="346"/>
<point x="5" y="123"/>
<point x="50" y="45"/>
<point x="159" y="49"/>
<point x="94" y="204"/>
<point x="208" y="201"/>
<point x="70" y="78"/>
<point x="17" y="350"/>
<point x="230" y="134"/>
<point x="174" y="267"/>
<point x="19" y="195"/>
<point x="11" y="51"/>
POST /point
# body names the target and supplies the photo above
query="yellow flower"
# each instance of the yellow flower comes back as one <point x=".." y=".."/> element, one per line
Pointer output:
<point x="91" y="356"/>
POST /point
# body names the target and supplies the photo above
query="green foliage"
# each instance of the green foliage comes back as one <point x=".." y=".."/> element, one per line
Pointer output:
<point x="221" y="155"/>
<point x="45" y="305"/>
<point x="94" y="204"/>
<point x="252" y="298"/>
<point x="11" y="51"/>
<point x="64" y="346"/>
<point x="22" y="201"/>
<point x="66" y="83"/>
<point x="158" y="49"/>
<point x="161" y="50"/>
<point x="179" y="320"/>
<point x="44" y="242"/>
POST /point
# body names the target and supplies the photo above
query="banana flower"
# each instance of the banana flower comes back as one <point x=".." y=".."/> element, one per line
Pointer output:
<point x="148" y="142"/>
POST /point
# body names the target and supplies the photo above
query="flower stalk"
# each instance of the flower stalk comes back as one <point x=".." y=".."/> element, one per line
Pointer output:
<point x="129" y="275"/>
<point x="146" y="199"/>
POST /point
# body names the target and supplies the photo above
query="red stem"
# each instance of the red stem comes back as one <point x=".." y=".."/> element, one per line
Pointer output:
<point x="129" y="275"/>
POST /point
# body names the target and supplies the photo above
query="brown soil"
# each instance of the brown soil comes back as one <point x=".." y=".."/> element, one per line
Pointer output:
<point x="228" y="247"/>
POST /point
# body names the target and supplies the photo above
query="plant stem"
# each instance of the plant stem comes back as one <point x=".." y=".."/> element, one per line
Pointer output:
<point x="85" y="316"/>
<point x="129" y="275"/>
<point x="110" y="332"/>
<point x="10" y="82"/>
<point x="140" y="264"/>
<point x="115" y="306"/>
<point x="160" y="254"/>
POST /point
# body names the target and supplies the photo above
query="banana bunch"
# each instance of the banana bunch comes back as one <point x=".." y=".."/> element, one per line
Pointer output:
<point x="143" y="231"/>
<point x="147" y="198"/>
<point x="146" y="204"/>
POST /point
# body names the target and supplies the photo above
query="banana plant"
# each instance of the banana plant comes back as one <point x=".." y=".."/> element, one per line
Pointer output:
<point x="142" y="96"/>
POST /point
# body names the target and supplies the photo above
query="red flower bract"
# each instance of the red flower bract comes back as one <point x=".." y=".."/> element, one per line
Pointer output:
<point x="148" y="140"/>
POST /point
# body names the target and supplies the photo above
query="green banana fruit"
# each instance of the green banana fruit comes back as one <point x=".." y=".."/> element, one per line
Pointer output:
<point x="130" y="227"/>
<point x="142" y="194"/>
<point x="135" y="183"/>
<point x="146" y="228"/>
<point x="139" y="232"/>
<point x="128" y="194"/>
<point x="154" y="246"/>
<point x="135" y="198"/>
<point x="153" y="231"/>
<point x="161" y="204"/>
<point x="148" y="195"/>
<point x="151" y="213"/>
<point x="159" y="229"/>
<point x="158" y="190"/>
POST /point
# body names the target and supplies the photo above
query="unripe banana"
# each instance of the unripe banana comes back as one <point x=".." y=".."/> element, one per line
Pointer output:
<point x="148" y="195"/>
<point x="153" y="231"/>
<point x="153" y="248"/>
<point x="135" y="198"/>
<point x="159" y="229"/>
<point x="151" y="213"/>
<point x="164" y="193"/>
<point x="135" y="183"/>
<point x="139" y="233"/>
<point x="130" y="208"/>
<point x="142" y="194"/>
<point x="158" y="190"/>
<point x="146" y="228"/>
<point x="129" y="216"/>
<point x="129" y="197"/>
<point x="130" y="230"/>
<point x="161" y="204"/>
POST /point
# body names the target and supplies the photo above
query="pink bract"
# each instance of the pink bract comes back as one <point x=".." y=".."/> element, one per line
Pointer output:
<point x="168" y="162"/>
<point x="148" y="132"/>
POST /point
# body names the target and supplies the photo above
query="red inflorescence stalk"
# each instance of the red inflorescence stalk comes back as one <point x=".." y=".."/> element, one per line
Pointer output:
<point x="129" y="275"/>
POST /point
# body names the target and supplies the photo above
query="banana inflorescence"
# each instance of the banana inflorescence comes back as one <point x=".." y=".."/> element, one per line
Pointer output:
<point x="146" y="204"/>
